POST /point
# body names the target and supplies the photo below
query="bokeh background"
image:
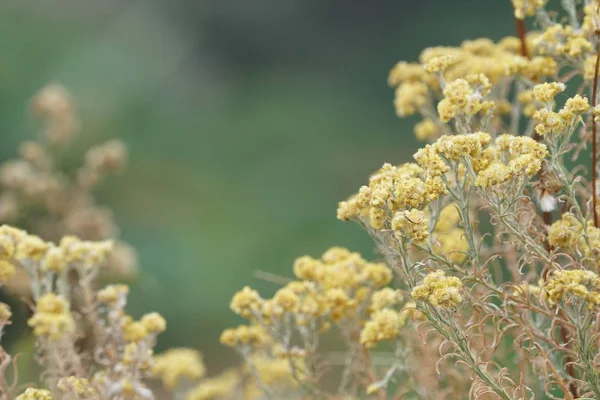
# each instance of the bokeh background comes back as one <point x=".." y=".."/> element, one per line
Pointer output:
<point x="246" y="121"/>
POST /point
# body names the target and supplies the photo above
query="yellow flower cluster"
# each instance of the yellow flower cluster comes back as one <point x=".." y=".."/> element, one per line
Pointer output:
<point x="241" y="383"/>
<point x="246" y="302"/>
<point x="524" y="154"/>
<point x="439" y="290"/>
<point x="448" y="238"/>
<point x="385" y="321"/>
<point x="176" y="364"/>
<point x="52" y="318"/>
<point x="412" y="224"/>
<point x="35" y="394"/>
<point x="564" y="41"/>
<point x="410" y="97"/>
<point x="7" y="271"/>
<point x="214" y="388"/>
<point x="471" y="71"/>
<point x="464" y="97"/>
<point x="85" y="254"/>
<point x="527" y="8"/>
<point x="330" y="288"/>
<point x="385" y="297"/>
<point x="581" y="284"/>
<point x="29" y="249"/>
<point x="383" y="325"/>
<point x="277" y="370"/>
<point x="253" y="335"/>
<point x="340" y="286"/>
<point x="80" y="387"/>
<point x="549" y="121"/>
<point x="113" y="295"/>
<point x="217" y="387"/>
<point x="545" y="92"/>
<point x="462" y="146"/>
<point x="568" y="233"/>
<point x="426" y="130"/>
<point x="390" y="190"/>
<point x="150" y="324"/>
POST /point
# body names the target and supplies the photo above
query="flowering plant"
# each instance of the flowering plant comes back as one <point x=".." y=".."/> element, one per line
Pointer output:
<point x="490" y="237"/>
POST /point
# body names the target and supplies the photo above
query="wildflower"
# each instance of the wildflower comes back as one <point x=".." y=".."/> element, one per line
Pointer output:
<point x="35" y="394"/>
<point x="448" y="219"/>
<point x="52" y="317"/>
<point x="451" y="243"/>
<point x="426" y="130"/>
<point x="578" y="284"/>
<point x="411" y="223"/>
<point x="393" y="189"/>
<point x="85" y="254"/>
<point x="134" y="331"/>
<point x="569" y="233"/>
<point x="377" y="274"/>
<point x="337" y="303"/>
<point x="176" y="364"/>
<point x="384" y="298"/>
<point x="548" y="122"/>
<point x="410" y="97"/>
<point x="428" y="158"/>
<point x="439" y="290"/>
<point x="461" y="146"/>
<point x="114" y="295"/>
<point x="81" y="387"/>
<point x="245" y="302"/>
<point x="596" y="113"/>
<point x="31" y="247"/>
<point x="286" y="299"/>
<point x="154" y="322"/>
<point x="574" y="106"/>
<point x="440" y="63"/>
<point x="244" y="335"/>
<point x="383" y="325"/>
<point x="407" y="72"/>
<point x="220" y="386"/>
<point x="7" y="271"/>
<point x="54" y="260"/>
<point x="277" y="370"/>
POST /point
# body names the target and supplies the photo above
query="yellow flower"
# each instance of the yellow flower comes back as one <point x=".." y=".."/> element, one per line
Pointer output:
<point x="52" y="317"/>
<point x="245" y="302"/>
<point x="154" y="322"/>
<point x="383" y="325"/>
<point x="134" y="331"/>
<point x="7" y="271"/>
<point x="113" y="294"/>
<point x="79" y="386"/>
<point x="439" y="290"/>
<point x="35" y="394"/>
<point x="244" y="335"/>
<point x="176" y="364"/>
<point x="217" y="387"/>
<point x="567" y="284"/>
<point x="412" y="224"/>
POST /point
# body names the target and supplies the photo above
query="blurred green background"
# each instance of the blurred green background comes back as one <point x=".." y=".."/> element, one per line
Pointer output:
<point x="247" y="121"/>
